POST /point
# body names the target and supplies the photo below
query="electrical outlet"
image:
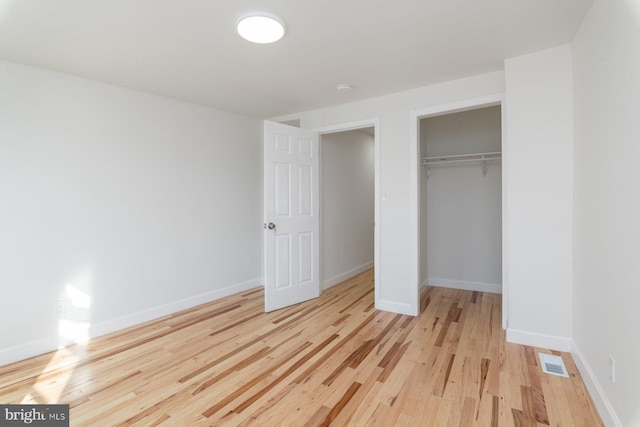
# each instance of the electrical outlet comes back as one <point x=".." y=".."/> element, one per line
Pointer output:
<point x="61" y="307"/>
<point x="612" y="369"/>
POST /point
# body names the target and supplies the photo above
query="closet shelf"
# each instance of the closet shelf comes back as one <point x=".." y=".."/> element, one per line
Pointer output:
<point x="462" y="158"/>
<point x="426" y="161"/>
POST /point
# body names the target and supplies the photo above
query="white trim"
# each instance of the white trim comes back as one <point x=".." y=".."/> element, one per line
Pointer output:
<point x="169" y="308"/>
<point x="344" y="127"/>
<point x="533" y="339"/>
<point x="42" y="346"/>
<point x="395" y="307"/>
<point x="505" y="227"/>
<point x="414" y="209"/>
<point x="494" y="288"/>
<point x="27" y="350"/>
<point x="359" y="124"/>
<point x="424" y="285"/>
<point x="604" y="407"/>
<point x="326" y="284"/>
<point x="414" y="189"/>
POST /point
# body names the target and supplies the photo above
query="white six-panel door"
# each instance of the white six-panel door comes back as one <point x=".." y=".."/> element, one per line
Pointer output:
<point x="291" y="215"/>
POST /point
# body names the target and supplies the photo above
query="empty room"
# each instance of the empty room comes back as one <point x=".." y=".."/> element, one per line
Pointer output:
<point x="281" y="213"/>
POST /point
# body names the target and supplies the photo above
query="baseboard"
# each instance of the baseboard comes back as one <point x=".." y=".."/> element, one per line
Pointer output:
<point x="604" y="407"/>
<point x="27" y="350"/>
<point x="46" y="345"/>
<point x="533" y="339"/>
<point x="395" y="307"/>
<point x="422" y="294"/>
<point x="326" y="284"/>
<point x="424" y="285"/>
<point x="493" y="288"/>
<point x="169" y="308"/>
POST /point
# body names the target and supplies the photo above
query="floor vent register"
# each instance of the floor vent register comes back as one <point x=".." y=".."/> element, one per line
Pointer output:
<point x="553" y="365"/>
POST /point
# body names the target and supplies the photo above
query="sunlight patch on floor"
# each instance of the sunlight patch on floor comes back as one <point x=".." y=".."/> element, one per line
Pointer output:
<point x="49" y="388"/>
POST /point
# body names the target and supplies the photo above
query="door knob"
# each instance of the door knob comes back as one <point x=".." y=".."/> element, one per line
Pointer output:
<point x="271" y="226"/>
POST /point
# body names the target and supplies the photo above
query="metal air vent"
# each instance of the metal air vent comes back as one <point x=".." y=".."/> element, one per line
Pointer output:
<point x="553" y="365"/>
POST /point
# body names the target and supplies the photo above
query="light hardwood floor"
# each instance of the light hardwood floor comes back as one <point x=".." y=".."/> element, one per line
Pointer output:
<point x="330" y="361"/>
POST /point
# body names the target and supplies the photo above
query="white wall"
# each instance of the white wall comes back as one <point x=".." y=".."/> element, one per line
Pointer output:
<point x="539" y="176"/>
<point x="142" y="203"/>
<point x="397" y="283"/>
<point x="347" y="204"/>
<point x="606" y="55"/>
<point x="463" y="214"/>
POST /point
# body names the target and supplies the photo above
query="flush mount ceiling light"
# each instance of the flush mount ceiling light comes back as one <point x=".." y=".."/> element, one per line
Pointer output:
<point x="344" y="87"/>
<point x="260" y="28"/>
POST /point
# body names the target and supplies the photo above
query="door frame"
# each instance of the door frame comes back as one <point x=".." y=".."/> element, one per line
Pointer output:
<point x="414" y="152"/>
<point x="343" y="127"/>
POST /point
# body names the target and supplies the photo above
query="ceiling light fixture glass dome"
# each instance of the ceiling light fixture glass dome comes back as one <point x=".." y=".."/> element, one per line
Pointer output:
<point x="260" y="28"/>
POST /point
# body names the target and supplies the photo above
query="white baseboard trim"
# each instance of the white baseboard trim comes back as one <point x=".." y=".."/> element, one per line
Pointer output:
<point x="395" y="307"/>
<point x="493" y="288"/>
<point x="326" y="284"/>
<point x="27" y="350"/>
<point x="534" y="339"/>
<point x="169" y="308"/>
<point x="423" y="286"/>
<point x="604" y="407"/>
<point x="46" y="345"/>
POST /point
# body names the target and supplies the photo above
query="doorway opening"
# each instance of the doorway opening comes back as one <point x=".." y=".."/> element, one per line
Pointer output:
<point x="460" y="200"/>
<point x="458" y="217"/>
<point x="349" y="171"/>
<point x="347" y="187"/>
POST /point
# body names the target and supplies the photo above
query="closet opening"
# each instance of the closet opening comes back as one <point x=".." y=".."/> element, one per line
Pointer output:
<point x="460" y="199"/>
<point x="347" y="211"/>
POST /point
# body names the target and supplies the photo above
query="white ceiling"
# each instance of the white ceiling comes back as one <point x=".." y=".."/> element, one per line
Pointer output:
<point x="188" y="49"/>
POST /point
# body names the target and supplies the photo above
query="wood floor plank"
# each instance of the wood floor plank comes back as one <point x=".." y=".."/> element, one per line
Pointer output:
<point x="334" y="360"/>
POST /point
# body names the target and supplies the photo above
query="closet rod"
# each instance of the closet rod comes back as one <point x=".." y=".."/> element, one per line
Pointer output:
<point x="461" y="158"/>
